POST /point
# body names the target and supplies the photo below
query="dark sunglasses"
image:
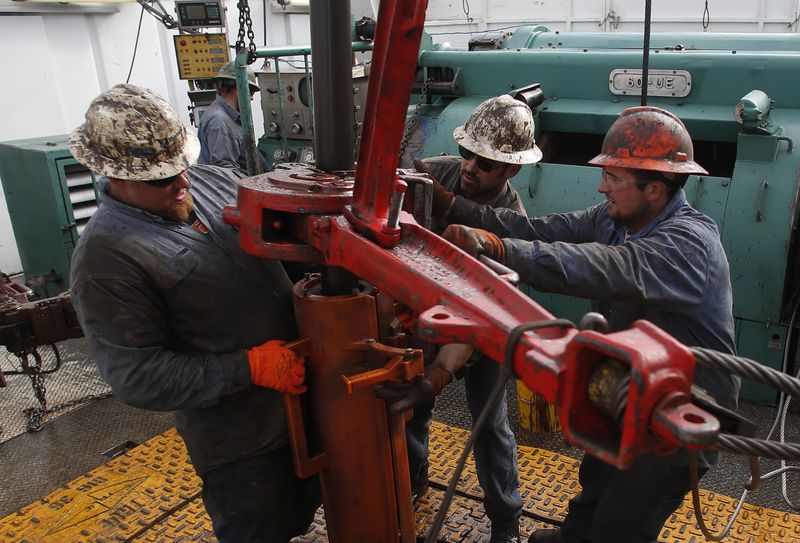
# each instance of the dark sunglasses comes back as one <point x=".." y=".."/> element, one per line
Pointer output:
<point x="161" y="183"/>
<point x="484" y="164"/>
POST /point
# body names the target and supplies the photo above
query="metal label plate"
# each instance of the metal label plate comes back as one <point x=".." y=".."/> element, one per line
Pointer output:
<point x="677" y="83"/>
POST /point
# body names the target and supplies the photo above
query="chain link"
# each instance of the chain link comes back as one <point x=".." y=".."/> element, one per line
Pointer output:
<point x="39" y="391"/>
<point x="36" y="414"/>
<point x="413" y="121"/>
<point x="35" y="371"/>
<point x="246" y="23"/>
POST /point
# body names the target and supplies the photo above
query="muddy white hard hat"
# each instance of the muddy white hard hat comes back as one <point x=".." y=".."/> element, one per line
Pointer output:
<point x="500" y="129"/>
<point x="133" y="133"/>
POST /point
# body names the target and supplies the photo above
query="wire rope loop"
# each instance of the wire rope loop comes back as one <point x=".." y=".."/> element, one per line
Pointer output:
<point x="516" y="334"/>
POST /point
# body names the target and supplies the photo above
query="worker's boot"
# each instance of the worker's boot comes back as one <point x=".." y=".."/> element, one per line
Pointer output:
<point x="419" y="488"/>
<point x="549" y="535"/>
<point x="505" y="534"/>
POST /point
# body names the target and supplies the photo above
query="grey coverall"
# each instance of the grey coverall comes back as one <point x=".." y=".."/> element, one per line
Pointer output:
<point x="673" y="273"/>
<point x="495" y="449"/>
<point x="169" y="312"/>
<point x="222" y="139"/>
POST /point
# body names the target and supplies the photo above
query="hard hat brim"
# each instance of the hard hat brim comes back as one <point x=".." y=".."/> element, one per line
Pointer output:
<point x="135" y="168"/>
<point x="253" y="87"/>
<point x="528" y="156"/>
<point x="659" y="165"/>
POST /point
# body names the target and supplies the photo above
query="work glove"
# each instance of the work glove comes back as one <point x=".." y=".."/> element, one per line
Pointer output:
<point x="272" y="365"/>
<point x="476" y="241"/>
<point x="418" y="392"/>
<point x="442" y="198"/>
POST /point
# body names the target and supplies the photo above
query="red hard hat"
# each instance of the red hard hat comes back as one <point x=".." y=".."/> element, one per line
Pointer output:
<point x="648" y="138"/>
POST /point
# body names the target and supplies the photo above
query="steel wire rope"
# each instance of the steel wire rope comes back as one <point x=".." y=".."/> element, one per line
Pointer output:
<point x="755" y="477"/>
<point x="783" y="409"/>
<point x="646" y="51"/>
<point x="744" y="367"/>
<point x="508" y="371"/>
<point x="135" y="45"/>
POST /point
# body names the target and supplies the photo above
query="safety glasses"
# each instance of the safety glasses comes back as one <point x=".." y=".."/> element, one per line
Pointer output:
<point x="161" y="183"/>
<point x="484" y="164"/>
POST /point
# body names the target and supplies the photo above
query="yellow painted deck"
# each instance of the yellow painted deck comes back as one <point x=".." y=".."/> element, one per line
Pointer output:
<point x="151" y="494"/>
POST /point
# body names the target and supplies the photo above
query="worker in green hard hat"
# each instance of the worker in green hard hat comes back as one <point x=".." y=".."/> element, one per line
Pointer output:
<point x="220" y="129"/>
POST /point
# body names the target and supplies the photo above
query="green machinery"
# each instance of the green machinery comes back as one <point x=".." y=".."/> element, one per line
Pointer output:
<point x="288" y="108"/>
<point x="737" y="95"/>
<point x="50" y="199"/>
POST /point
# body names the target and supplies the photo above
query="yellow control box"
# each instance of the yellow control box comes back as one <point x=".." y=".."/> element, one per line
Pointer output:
<point x="200" y="55"/>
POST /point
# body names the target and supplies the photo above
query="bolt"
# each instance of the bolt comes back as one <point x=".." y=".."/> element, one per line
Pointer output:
<point x="324" y="225"/>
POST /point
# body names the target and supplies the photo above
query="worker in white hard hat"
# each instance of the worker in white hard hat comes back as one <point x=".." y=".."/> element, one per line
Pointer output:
<point x="179" y="318"/>
<point x="220" y="127"/>
<point x="496" y="140"/>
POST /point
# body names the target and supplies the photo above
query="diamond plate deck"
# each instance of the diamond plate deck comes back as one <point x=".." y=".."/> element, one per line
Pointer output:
<point x="151" y="495"/>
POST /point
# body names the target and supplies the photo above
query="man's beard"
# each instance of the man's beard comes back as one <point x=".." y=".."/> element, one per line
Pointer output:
<point x="182" y="211"/>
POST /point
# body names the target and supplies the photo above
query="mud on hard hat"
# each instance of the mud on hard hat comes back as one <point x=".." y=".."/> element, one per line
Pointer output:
<point x="648" y="138"/>
<point x="133" y="133"/>
<point x="500" y="129"/>
<point x="228" y="71"/>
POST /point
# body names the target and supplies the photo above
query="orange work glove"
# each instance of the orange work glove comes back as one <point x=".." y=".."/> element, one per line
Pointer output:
<point x="442" y="198"/>
<point x="476" y="241"/>
<point x="272" y="365"/>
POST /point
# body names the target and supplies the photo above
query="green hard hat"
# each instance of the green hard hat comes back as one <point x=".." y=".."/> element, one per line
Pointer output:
<point x="228" y="71"/>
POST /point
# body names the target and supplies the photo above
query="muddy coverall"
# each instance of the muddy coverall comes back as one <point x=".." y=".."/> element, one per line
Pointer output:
<point x="673" y="273"/>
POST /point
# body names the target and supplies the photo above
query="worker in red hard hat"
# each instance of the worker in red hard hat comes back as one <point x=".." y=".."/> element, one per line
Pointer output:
<point x="642" y="253"/>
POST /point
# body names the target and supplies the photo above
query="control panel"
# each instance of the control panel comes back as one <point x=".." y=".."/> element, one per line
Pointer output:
<point x="193" y="14"/>
<point x="200" y="55"/>
<point x="295" y="92"/>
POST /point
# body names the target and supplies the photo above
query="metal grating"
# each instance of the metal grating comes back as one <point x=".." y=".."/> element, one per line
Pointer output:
<point x="151" y="494"/>
<point x="77" y="378"/>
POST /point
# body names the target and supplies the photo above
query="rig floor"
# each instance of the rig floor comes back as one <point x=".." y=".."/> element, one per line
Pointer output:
<point x="149" y="492"/>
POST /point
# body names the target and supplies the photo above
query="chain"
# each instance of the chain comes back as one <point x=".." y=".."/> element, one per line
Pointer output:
<point x="246" y="22"/>
<point x="413" y="121"/>
<point x="36" y="414"/>
<point x="34" y="371"/>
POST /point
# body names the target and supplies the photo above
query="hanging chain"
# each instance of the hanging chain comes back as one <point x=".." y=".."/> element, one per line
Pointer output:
<point x="413" y="121"/>
<point x="34" y="371"/>
<point x="706" y="18"/>
<point x="246" y="22"/>
<point x="36" y="414"/>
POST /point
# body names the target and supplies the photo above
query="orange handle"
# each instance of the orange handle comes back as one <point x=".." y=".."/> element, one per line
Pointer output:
<point x="304" y="464"/>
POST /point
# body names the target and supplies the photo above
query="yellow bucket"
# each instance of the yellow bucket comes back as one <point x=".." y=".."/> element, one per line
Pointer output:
<point x="535" y="413"/>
